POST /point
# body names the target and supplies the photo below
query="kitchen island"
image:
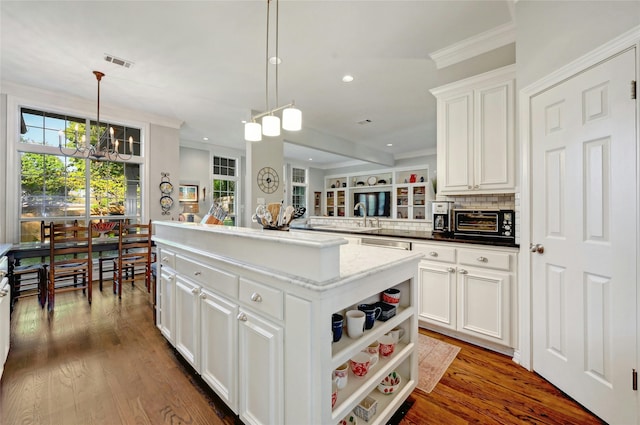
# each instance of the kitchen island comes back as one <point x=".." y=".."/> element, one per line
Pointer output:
<point x="250" y="310"/>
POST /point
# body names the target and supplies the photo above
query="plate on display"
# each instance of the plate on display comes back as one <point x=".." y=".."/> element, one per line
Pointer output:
<point x="371" y="181"/>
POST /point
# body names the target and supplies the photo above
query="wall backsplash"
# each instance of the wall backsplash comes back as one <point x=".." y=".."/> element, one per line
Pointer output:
<point x="482" y="202"/>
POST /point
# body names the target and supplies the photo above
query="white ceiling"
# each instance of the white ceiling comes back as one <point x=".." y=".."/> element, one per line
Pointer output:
<point x="202" y="62"/>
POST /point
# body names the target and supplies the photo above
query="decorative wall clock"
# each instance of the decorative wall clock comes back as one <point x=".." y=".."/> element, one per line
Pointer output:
<point x="268" y="180"/>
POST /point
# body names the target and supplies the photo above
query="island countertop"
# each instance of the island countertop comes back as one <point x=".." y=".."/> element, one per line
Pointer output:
<point x="310" y="258"/>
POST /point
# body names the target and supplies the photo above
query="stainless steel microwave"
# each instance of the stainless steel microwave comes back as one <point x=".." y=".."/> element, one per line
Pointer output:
<point x="484" y="223"/>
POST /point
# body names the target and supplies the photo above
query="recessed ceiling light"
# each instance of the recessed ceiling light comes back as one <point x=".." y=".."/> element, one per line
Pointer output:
<point x="274" y="60"/>
<point x="347" y="78"/>
<point x="205" y="138"/>
<point x="389" y="144"/>
<point x="310" y="159"/>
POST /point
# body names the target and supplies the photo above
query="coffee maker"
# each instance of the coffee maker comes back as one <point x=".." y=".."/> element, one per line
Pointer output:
<point x="441" y="211"/>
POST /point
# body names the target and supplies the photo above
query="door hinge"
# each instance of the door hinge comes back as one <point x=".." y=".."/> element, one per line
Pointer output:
<point x="633" y="89"/>
<point x="634" y="380"/>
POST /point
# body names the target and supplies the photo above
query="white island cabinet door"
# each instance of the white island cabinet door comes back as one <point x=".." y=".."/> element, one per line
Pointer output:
<point x="187" y="320"/>
<point x="218" y="342"/>
<point x="261" y="387"/>
<point x="165" y="302"/>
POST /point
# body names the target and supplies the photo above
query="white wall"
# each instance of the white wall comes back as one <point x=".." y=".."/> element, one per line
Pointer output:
<point x="195" y="168"/>
<point x="550" y="34"/>
<point x="163" y="150"/>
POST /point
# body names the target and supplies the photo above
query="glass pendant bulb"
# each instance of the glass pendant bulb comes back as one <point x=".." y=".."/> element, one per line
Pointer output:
<point x="271" y="125"/>
<point x="292" y="119"/>
<point x="252" y="132"/>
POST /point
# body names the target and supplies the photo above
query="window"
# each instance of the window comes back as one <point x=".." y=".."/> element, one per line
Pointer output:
<point x="54" y="187"/>
<point x="299" y="187"/>
<point x="225" y="181"/>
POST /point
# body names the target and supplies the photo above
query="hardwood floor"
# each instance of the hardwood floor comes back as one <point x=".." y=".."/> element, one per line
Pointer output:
<point x="108" y="364"/>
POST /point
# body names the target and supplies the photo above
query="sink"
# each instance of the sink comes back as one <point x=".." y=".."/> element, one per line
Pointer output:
<point x="345" y="229"/>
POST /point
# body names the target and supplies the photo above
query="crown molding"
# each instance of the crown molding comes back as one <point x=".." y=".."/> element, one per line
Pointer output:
<point x="476" y="45"/>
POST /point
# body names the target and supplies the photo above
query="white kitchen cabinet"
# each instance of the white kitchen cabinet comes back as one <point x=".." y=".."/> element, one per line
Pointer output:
<point x="255" y="313"/>
<point x="165" y="298"/>
<point x="475" y="134"/>
<point x="260" y="365"/>
<point x="469" y="291"/>
<point x="218" y="346"/>
<point x="187" y="320"/>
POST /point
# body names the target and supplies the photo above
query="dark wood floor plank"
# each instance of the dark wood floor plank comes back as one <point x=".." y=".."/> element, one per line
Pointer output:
<point x="107" y="364"/>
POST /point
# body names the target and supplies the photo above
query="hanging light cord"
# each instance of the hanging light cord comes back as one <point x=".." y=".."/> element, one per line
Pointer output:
<point x="266" y="62"/>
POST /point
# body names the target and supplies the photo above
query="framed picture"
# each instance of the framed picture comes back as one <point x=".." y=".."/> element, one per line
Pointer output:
<point x="188" y="193"/>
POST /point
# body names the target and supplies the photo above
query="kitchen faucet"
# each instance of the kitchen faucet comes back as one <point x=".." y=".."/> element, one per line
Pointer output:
<point x="364" y="211"/>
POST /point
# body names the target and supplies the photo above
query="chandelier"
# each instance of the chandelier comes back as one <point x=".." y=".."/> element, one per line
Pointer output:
<point x="106" y="147"/>
<point x="270" y="123"/>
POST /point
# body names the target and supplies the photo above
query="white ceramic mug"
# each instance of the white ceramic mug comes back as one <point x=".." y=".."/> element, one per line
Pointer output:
<point x="387" y="345"/>
<point x="396" y="333"/>
<point x="361" y="362"/>
<point x="373" y="350"/>
<point x="341" y="375"/>
<point x="355" y="323"/>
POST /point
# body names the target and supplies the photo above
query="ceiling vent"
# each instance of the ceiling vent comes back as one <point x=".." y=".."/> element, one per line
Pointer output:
<point x="117" y="61"/>
<point x="364" y="122"/>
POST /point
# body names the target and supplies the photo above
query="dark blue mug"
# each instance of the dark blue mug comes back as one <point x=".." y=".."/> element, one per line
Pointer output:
<point x="371" y="312"/>
<point x="336" y="324"/>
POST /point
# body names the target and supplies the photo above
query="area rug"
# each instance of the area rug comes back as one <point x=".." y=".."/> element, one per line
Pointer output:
<point x="434" y="357"/>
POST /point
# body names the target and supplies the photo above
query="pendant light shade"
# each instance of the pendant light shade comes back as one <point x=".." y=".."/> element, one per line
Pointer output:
<point x="252" y="132"/>
<point x="271" y="125"/>
<point x="292" y="119"/>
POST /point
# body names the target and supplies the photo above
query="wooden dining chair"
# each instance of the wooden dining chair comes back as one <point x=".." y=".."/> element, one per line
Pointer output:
<point x="29" y="279"/>
<point x="70" y="260"/>
<point x="134" y="256"/>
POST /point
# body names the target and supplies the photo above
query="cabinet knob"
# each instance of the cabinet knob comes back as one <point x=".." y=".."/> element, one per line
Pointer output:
<point x="197" y="273"/>
<point x="483" y="259"/>
<point x="469" y="187"/>
<point x="256" y="297"/>
<point x="433" y="254"/>
<point x="242" y="317"/>
<point x="462" y="271"/>
<point x="476" y="187"/>
<point x="203" y="296"/>
<point x="195" y="290"/>
<point x="451" y="270"/>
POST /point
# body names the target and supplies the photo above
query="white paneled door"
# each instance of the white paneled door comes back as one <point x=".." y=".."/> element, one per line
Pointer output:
<point x="584" y="227"/>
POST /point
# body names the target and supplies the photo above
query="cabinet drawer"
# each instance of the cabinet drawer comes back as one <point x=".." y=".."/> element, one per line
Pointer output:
<point x="478" y="258"/>
<point x="209" y="277"/>
<point x="167" y="258"/>
<point x="261" y="297"/>
<point x="436" y="252"/>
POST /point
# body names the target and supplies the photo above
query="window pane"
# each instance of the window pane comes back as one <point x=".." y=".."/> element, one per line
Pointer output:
<point x="58" y="188"/>
<point x="298" y="175"/>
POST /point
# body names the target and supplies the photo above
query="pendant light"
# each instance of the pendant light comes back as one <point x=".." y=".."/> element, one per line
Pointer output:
<point x="270" y="123"/>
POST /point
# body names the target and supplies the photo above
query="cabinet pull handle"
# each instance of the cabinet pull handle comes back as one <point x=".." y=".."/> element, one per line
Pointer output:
<point x="197" y="273"/>
<point x="476" y="187"/>
<point x="195" y="290"/>
<point x="462" y="271"/>
<point x="483" y="259"/>
<point x="256" y="297"/>
<point x="451" y="270"/>
<point x="242" y="317"/>
<point x="165" y="259"/>
<point x="433" y="254"/>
